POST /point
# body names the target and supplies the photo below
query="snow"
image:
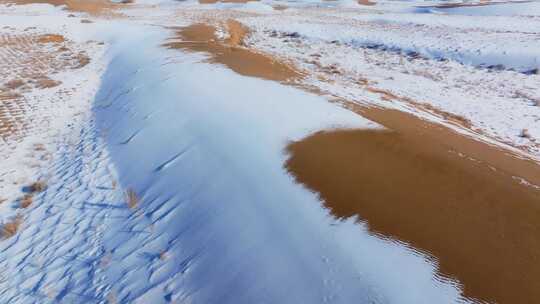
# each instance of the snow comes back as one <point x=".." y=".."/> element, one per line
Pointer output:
<point x="216" y="216"/>
<point x="467" y="46"/>
<point x="402" y="53"/>
<point x="50" y="112"/>
<point x="219" y="201"/>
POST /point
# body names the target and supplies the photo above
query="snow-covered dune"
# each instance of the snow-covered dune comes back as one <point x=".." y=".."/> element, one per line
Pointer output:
<point x="173" y="189"/>
<point x="170" y="186"/>
<point x="217" y="217"/>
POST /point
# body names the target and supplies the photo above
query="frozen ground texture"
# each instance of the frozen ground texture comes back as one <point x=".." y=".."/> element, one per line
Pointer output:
<point x="46" y="84"/>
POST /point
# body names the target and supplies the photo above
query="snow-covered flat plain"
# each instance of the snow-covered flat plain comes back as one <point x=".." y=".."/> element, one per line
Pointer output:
<point x="165" y="178"/>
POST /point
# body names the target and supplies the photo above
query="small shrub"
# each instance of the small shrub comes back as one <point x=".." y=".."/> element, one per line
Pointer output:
<point x="131" y="198"/>
<point x="38" y="186"/>
<point x="9" y="229"/>
<point x="26" y="201"/>
<point x="51" y="38"/>
<point x="525" y="134"/>
<point x="111" y="298"/>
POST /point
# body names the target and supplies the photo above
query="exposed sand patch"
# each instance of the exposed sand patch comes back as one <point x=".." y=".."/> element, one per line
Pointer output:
<point x="45" y="83"/>
<point x="229" y="52"/>
<point x="280" y="7"/>
<point x="445" y="194"/>
<point x="92" y="7"/>
<point x="28" y="62"/>
<point x="10" y="228"/>
<point x="366" y="2"/>
<point x="51" y="38"/>
<point x="14" y="84"/>
<point x="237" y="33"/>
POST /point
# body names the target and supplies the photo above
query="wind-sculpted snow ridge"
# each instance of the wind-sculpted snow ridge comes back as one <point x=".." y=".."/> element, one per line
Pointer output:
<point x="172" y="192"/>
<point x="58" y="256"/>
<point x="515" y="49"/>
<point x="215" y="216"/>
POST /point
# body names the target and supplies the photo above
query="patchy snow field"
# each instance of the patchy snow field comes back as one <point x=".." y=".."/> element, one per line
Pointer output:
<point x="480" y="73"/>
<point x="164" y="173"/>
<point x="47" y="84"/>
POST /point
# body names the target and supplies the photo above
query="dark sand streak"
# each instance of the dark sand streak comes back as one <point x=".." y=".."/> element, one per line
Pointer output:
<point x="202" y="38"/>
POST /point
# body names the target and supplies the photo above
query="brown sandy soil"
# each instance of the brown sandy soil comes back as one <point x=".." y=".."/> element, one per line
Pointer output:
<point x="280" y="7"/>
<point x="26" y="63"/>
<point x="10" y="228"/>
<point x="447" y="195"/>
<point x="202" y="38"/>
<point x="366" y="2"/>
<point x="92" y="7"/>
<point x="237" y="33"/>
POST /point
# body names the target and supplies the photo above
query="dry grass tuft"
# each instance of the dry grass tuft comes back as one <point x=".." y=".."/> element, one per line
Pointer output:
<point x="237" y="33"/>
<point x="38" y="186"/>
<point x="26" y="201"/>
<point x="525" y="134"/>
<point x="39" y="147"/>
<point x="82" y="59"/>
<point x="9" y="229"/>
<point x="51" y="38"/>
<point x="111" y="298"/>
<point x="14" y="84"/>
<point x="45" y="82"/>
<point x="131" y="199"/>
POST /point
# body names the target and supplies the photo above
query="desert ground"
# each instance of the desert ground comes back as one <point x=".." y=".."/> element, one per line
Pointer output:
<point x="269" y="151"/>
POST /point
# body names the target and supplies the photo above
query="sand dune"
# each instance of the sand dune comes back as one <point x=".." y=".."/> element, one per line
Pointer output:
<point x="476" y="220"/>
